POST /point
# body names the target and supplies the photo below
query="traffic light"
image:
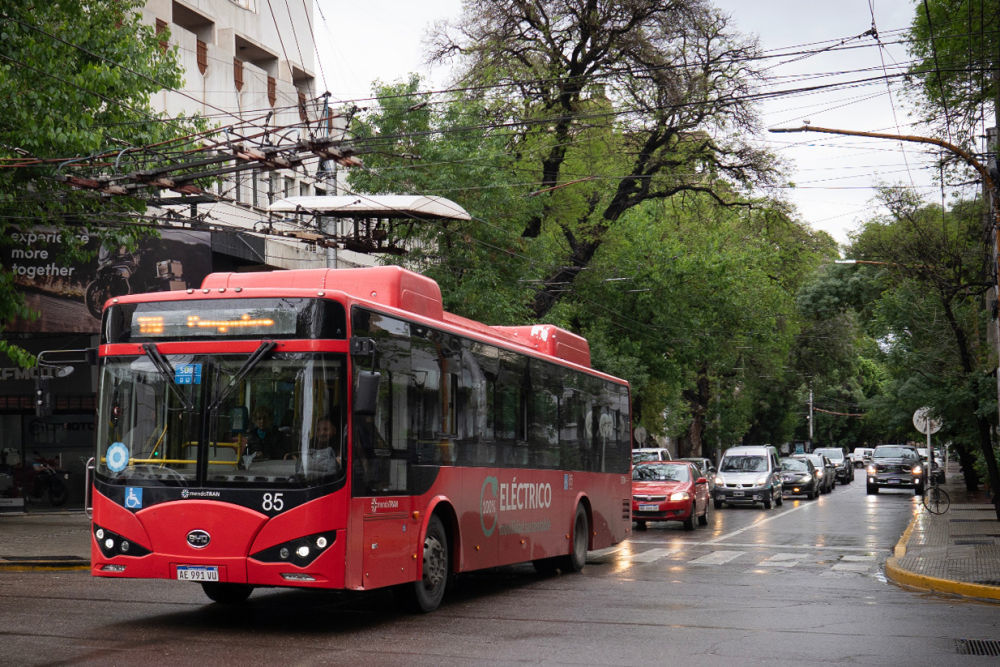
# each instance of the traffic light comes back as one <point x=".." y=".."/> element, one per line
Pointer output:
<point x="43" y="396"/>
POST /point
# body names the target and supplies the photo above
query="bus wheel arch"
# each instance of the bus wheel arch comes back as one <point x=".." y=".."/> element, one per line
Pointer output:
<point x="436" y="564"/>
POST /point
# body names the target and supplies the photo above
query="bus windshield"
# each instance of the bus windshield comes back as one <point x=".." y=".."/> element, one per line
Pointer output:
<point x="187" y="420"/>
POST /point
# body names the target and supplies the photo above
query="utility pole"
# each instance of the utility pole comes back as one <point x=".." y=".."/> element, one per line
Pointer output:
<point x="989" y="183"/>
<point x="809" y="444"/>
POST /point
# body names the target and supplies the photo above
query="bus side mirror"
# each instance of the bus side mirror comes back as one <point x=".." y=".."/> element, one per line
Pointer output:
<point x="366" y="393"/>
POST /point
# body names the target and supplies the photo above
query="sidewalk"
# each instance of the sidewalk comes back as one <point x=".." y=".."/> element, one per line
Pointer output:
<point x="45" y="540"/>
<point x="957" y="552"/>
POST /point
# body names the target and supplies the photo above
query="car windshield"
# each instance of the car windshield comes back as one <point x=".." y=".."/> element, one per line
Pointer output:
<point x="832" y="454"/>
<point x="639" y="457"/>
<point x="794" y="465"/>
<point x="893" y="452"/>
<point x="816" y="459"/>
<point x="661" y="472"/>
<point x="744" y="464"/>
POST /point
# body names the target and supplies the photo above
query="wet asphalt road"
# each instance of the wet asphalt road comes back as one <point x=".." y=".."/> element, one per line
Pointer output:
<point x="800" y="584"/>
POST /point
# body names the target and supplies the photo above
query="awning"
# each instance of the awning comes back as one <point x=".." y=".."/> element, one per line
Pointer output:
<point x="373" y="206"/>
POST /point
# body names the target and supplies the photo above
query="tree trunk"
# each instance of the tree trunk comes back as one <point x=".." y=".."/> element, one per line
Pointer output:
<point x="691" y="444"/>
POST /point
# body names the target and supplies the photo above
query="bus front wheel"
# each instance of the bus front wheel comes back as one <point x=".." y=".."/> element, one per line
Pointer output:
<point x="577" y="557"/>
<point x="426" y="594"/>
<point x="227" y="593"/>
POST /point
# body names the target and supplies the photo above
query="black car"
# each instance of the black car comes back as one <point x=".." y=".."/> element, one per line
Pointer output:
<point x="845" y="471"/>
<point x="824" y="470"/>
<point x="798" y="477"/>
<point x="896" y="467"/>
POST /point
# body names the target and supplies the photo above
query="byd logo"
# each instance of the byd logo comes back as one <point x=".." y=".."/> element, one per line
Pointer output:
<point x="198" y="539"/>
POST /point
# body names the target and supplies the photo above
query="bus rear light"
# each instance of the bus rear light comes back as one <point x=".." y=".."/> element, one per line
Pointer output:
<point x="301" y="551"/>
<point x="112" y="544"/>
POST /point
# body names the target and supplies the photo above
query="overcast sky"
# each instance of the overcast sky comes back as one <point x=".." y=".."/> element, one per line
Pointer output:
<point x="835" y="177"/>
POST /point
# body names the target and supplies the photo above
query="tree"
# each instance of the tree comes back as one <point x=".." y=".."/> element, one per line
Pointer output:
<point x="670" y="78"/>
<point x="956" y="46"/>
<point x="76" y="78"/>
<point x="929" y="317"/>
<point x="694" y="303"/>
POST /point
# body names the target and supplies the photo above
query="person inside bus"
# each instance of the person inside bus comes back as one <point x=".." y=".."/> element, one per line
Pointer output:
<point x="325" y="450"/>
<point x="264" y="441"/>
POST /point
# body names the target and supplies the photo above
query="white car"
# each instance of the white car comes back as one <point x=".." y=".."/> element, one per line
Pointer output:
<point x="861" y="456"/>
<point x="643" y="454"/>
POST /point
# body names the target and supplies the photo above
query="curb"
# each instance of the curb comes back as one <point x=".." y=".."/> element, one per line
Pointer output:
<point x="903" y="577"/>
<point x="44" y="564"/>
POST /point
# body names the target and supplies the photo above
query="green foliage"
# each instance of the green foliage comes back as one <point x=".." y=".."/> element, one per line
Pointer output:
<point x="76" y="78"/>
<point x="930" y="319"/>
<point x="956" y="46"/>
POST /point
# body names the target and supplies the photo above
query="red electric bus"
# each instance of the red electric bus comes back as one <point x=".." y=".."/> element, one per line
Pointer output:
<point x="337" y="429"/>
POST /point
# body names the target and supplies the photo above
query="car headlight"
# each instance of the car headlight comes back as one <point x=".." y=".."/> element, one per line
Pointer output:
<point x="819" y="474"/>
<point x="719" y="480"/>
<point x="762" y="480"/>
<point x="680" y="495"/>
<point x="804" y="478"/>
<point x="871" y="470"/>
<point x="917" y="470"/>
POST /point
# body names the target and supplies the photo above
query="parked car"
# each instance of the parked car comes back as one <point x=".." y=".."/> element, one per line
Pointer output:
<point x="798" y="477"/>
<point x="825" y="473"/>
<point x="641" y="454"/>
<point x="669" y="491"/>
<point x="706" y="467"/>
<point x="844" y="470"/>
<point x="896" y="467"/>
<point x="748" y="475"/>
<point x="861" y="456"/>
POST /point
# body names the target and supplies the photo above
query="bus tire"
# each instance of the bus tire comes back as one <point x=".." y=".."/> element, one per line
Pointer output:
<point x="425" y="595"/>
<point x="227" y="593"/>
<point x="577" y="557"/>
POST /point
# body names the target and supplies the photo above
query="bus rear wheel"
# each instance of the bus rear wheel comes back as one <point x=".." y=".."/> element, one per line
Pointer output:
<point x="227" y="593"/>
<point x="577" y="557"/>
<point x="426" y="594"/>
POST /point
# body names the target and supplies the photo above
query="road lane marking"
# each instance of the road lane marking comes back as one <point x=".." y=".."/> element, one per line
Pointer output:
<point x="760" y="545"/>
<point x="760" y="522"/>
<point x="716" y="558"/>
<point x="782" y="560"/>
<point x="652" y="555"/>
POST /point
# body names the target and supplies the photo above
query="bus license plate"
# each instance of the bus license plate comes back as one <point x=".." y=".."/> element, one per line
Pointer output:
<point x="649" y="508"/>
<point x="197" y="573"/>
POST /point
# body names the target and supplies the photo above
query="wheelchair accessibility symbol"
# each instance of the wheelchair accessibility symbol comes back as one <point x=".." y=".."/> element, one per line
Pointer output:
<point x="133" y="497"/>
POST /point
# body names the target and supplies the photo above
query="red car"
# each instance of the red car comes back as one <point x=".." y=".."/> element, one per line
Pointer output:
<point x="669" y="491"/>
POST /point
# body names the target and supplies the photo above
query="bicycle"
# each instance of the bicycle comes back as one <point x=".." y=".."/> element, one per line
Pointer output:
<point x="936" y="500"/>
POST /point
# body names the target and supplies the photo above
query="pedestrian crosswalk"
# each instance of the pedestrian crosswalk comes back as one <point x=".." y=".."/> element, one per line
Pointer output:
<point x="832" y="561"/>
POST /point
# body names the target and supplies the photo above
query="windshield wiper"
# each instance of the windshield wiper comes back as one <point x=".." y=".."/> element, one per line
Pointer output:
<point x="167" y="371"/>
<point x="255" y="358"/>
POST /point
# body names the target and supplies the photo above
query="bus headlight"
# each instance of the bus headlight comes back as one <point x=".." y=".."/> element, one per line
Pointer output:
<point x="301" y="551"/>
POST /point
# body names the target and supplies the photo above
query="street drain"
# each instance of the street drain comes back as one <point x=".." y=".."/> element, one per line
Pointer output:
<point x="973" y="542"/>
<point x="977" y="647"/>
